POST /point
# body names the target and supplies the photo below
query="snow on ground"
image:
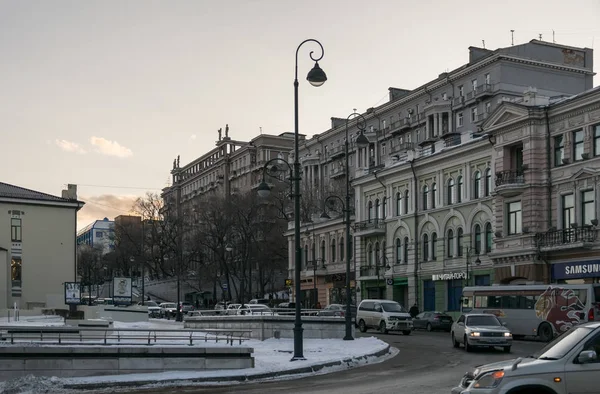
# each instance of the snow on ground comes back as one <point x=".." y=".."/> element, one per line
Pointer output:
<point x="271" y="356"/>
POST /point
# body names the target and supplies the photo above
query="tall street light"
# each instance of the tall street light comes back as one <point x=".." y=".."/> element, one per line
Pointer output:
<point x="361" y="142"/>
<point x="316" y="77"/>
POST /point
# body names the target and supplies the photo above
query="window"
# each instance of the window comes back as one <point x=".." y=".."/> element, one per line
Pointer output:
<point x="342" y="250"/>
<point x="333" y="250"/>
<point x="425" y="197"/>
<point x="461" y="91"/>
<point x="597" y="140"/>
<point x="578" y="145"/>
<point x="370" y="211"/>
<point x="477" y="238"/>
<point x="15" y="230"/>
<point x="370" y="255"/>
<point x="425" y="247"/>
<point x="433" y="194"/>
<point x="488" y="182"/>
<point x="514" y="218"/>
<point x="459" y="236"/>
<point x="488" y="237"/>
<point x="323" y="251"/>
<point x="459" y="119"/>
<point x="384" y="207"/>
<point x="16" y="269"/>
<point x="477" y="184"/>
<point x="559" y="150"/>
<point x="398" y="204"/>
<point x="398" y="251"/>
<point x="587" y="207"/>
<point x="433" y="246"/>
<point x="405" y="250"/>
<point x="459" y="189"/>
<point x="454" y="294"/>
<point x="450" y="192"/>
<point x="474" y="114"/>
<point x="450" y="243"/>
<point x="406" y="196"/>
<point x="568" y="210"/>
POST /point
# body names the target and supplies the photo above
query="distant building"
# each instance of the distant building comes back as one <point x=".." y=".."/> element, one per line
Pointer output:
<point x="37" y="246"/>
<point x="99" y="234"/>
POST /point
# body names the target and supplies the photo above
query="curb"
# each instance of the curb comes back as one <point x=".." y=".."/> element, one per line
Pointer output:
<point x="232" y="378"/>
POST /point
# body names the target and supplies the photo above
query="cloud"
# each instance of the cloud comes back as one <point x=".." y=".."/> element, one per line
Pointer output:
<point x="69" y="146"/>
<point x="110" y="148"/>
<point x="193" y="136"/>
<point x="104" y="206"/>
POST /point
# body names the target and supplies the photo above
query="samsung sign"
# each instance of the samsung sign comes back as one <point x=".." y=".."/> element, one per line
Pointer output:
<point x="576" y="270"/>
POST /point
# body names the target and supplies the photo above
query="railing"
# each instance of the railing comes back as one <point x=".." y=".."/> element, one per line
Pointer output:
<point x="112" y="336"/>
<point x="567" y="236"/>
<point x="509" y="177"/>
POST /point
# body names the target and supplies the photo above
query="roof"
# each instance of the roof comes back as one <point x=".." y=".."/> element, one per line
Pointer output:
<point x="12" y="191"/>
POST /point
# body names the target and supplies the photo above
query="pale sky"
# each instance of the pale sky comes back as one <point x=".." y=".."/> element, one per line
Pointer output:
<point x="105" y="94"/>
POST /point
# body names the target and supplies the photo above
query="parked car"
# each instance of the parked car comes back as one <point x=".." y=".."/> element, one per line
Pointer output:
<point x="153" y="308"/>
<point x="569" y="364"/>
<point x="481" y="329"/>
<point x="384" y="315"/>
<point x="431" y="321"/>
<point x="168" y="309"/>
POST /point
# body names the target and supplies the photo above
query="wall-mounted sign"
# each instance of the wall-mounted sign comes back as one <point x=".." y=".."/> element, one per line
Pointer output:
<point x="122" y="291"/>
<point x="72" y="293"/>
<point x="576" y="270"/>
<point x="449" y="276"/>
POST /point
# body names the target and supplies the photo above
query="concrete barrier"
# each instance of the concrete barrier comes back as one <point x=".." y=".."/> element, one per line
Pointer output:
<point x="267" y="326"/>
<point x="17" y="361"/>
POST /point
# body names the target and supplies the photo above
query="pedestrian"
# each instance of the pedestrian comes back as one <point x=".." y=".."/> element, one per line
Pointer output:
<point x="414" y="311"/>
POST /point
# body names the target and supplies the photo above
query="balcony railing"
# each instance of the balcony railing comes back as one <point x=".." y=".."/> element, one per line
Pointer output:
<point x="510" y="177"/>
<point x="566" y="236"/>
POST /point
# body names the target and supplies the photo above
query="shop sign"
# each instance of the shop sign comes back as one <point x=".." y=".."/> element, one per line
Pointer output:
<point x="576" y="270"/>
<point x="450" y="276"/>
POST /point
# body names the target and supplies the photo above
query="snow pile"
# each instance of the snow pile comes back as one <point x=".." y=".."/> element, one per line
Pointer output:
<point x="31" y="385"/>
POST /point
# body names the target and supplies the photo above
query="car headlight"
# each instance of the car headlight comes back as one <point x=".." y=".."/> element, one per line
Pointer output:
<point x="475" y="334"/>
<point x="507" y="334"/>
<point x="489" y="380"/>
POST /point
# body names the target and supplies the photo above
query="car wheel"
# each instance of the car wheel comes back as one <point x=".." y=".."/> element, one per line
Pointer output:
<point x="362" y="326"/>
<point x="545" y="332"/>
<point x="454" y="341"/>
<point x="467" y="347"/>
<point x="383" y="328"/>
<point x="429" y="328"/>
<point x="406" y="332"/>
<point x="507" y="349"/>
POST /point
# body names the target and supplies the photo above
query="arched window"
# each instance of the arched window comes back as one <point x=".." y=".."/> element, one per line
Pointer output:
<point x="425" y="247"/>
<point x="450" y="192"/>
<point x="488" y="237"/>
<point x="488" y="182"/>
<point x="450" y="243"/>
<point x="342" y="250"/>
<point x="333" y="250"/>
<point x="477" y="238"/>
<point x="384" y="208"/>
<point x="305" y="255"/>
<point x="459" y="246"/>
<point x="398" y="204"/>
<point x="433" y="246"/>
<point x="459" y="188"/>
<point x="425" y="197"/>
<point x="398" y="251"/>
<point x="370" y="211"/>
<point x="405" y="246"/>
<point x="323" y="251"/>
<point x="377" y="207"/>
<point x="377" y="254"/>
<point x="370" y="255"/>
<point x="477" y="185"/>
<point x="433" y="195"/>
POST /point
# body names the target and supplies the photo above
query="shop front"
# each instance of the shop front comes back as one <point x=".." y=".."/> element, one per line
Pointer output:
<point x="576" y="272"/>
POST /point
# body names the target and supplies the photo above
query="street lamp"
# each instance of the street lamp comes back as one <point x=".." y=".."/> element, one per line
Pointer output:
<point x="316" y="77"/>
<point x="361" y="142"/>
<point x="470" y="251"/>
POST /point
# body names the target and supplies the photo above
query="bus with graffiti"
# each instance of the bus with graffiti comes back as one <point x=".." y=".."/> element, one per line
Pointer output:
<point x="544" y="311"/>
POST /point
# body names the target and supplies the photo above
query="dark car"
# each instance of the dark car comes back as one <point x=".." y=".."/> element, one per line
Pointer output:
<point x="433" y="321"/>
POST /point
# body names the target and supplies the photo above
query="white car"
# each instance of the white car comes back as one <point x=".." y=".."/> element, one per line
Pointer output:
<point x="480" y="330"/>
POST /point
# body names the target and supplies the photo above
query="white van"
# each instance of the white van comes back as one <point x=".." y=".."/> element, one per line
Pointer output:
<point x="384" y="315"/>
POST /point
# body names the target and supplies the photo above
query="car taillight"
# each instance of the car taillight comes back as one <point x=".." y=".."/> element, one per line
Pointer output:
<point x="591" y="314"/>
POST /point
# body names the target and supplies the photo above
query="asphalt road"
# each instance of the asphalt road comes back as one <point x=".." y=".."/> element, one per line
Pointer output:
<point x="425" y="364"/>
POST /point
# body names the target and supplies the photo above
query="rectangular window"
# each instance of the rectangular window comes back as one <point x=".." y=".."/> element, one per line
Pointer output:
<point x="459" y="119"/>
<point x="568" y="209"/>
<point x="559" y="150"/>
<point x="596" y="129"/>
<point x="15" y="230"/>
<point x="514" y="217"/>
<point x="587" y="207"/>
<point x="578" y="145"/>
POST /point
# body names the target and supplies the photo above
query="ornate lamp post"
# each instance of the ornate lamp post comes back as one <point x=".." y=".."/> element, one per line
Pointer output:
<point x="361" y="142"/>
<point x="315" y="77"/>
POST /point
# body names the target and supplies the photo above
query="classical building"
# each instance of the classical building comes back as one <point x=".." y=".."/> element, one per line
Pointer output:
<point x="37" y="246"/>
<point x="547" y="161"/>
<point x="99" y="234"/>
<point x="422" y="191"/>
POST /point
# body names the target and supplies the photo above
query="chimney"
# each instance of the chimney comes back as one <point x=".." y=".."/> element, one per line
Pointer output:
<point x="70" y="193"/>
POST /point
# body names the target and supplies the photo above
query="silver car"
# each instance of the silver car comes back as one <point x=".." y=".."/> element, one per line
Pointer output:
<point x="480" y="329"/>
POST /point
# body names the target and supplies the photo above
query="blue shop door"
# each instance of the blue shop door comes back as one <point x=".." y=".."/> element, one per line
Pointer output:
<point x="428" y="295"/>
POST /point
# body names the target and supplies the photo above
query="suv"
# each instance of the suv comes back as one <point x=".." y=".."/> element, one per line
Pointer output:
<point x="569" y="364"/>
<point x="385" y="315"/>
